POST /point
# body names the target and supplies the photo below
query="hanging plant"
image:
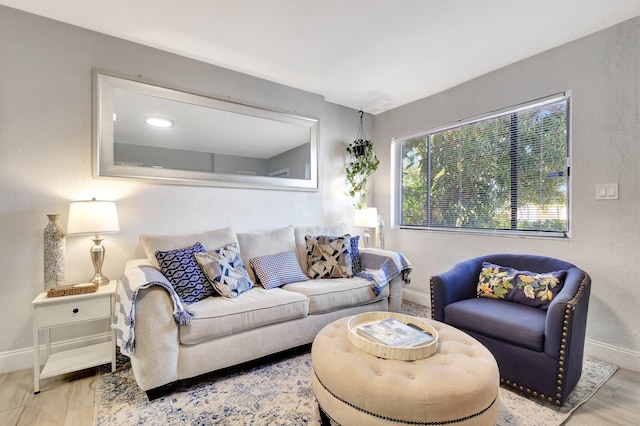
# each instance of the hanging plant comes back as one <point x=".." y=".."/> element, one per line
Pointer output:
<point x="363" y="163"/>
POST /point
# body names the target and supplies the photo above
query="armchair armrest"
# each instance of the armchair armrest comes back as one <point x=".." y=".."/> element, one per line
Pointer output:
<point x="458" y="283"/>
<point x="566" y="326"/>
<point x="567" y="315"/>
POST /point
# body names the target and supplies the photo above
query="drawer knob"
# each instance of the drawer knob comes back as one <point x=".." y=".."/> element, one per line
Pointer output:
<point x="76" y="310"/>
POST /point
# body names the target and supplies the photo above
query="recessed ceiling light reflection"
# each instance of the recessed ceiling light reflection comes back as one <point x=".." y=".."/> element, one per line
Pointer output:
<point x="158" y="121"/>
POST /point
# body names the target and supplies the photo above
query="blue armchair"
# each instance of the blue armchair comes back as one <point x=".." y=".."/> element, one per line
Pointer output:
<point x="539" y="351"/>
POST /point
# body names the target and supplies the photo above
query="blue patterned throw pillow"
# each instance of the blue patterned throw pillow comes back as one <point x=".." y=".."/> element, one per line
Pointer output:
<point x="276" y="270"/>
<point x="356" y="264"/>
<point x="182" y="270"/>
<point x="225" y="270"/>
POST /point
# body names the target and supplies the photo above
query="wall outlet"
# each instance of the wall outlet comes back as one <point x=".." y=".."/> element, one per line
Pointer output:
<point x="607" y="191"/>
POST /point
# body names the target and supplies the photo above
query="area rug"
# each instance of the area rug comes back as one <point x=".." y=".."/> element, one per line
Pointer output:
<point x="277" y="391"/>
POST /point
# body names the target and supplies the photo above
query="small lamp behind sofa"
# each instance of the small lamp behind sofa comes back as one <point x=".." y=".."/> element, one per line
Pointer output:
<point x="366" y="218"/>
<point x="539" y="351"/>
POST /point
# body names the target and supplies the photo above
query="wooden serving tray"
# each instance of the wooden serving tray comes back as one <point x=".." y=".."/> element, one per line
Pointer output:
<point x="72" y="289"/>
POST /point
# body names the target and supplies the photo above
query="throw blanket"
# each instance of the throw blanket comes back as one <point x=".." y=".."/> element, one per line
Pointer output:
<point x="381" y="266"/>
<point x="134" y="280"/>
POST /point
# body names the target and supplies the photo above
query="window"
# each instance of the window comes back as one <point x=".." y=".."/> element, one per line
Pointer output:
<point x="505" y="172"/>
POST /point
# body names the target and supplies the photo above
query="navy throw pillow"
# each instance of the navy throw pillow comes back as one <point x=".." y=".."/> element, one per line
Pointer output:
<point x="181" y="269"/>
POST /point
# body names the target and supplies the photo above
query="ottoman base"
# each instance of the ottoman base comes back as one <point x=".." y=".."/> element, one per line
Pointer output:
<point x="346" y="414"/>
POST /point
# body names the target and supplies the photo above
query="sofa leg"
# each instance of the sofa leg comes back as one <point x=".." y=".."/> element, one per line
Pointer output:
<point x="161" y="391"/>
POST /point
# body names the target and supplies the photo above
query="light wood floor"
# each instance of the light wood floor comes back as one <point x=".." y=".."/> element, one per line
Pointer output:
<point x="68" y="400"/>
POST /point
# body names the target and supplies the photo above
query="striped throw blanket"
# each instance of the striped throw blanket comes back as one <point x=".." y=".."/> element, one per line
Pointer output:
<point x="381" y="266"/>
<point x="133" y="280"/>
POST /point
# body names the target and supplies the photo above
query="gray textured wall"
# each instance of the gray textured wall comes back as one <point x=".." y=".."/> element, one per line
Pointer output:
<point x="45" y="160"/>
<point x="603" y="73"/>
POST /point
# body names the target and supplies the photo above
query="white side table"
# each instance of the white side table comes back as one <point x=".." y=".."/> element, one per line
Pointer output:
<point x="51" y="312"/>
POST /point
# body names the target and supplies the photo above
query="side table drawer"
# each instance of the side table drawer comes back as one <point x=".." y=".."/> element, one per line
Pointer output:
<point x="73" y="311"/>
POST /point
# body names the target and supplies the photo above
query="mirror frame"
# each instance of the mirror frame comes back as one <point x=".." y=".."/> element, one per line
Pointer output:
<point x="104" y="144"/>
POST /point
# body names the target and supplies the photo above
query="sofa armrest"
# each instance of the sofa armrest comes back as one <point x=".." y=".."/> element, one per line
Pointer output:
<point x="155" y="355"/>
<point x="458" y="283"/>
<point x="396" y="286"/>
<point x="392" y="264"/>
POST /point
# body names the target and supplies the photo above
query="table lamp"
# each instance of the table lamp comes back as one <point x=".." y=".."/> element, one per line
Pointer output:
<point x="366" y="218"/>
<point x="94" y="217"/>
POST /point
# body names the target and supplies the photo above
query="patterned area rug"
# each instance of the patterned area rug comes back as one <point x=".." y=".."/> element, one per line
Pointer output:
<point x="277" y="391"/>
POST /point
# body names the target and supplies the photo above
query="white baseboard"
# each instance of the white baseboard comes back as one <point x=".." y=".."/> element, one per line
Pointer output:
<point x="21" y="359"/>
<point x="416" y="297"/>
<point x="623" y="358"/>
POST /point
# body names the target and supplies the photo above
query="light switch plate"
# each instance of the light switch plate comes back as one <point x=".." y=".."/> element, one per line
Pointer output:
<point x="607" y="191"/>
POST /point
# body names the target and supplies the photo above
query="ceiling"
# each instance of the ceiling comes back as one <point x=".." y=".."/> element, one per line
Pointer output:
<point x="372" y="55"/>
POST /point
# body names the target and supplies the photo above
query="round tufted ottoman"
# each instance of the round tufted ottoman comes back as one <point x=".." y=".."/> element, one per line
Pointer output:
<point x="458" y="385"/>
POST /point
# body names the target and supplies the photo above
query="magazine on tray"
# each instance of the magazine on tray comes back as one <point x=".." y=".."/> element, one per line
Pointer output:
<point x="392" y="332"/>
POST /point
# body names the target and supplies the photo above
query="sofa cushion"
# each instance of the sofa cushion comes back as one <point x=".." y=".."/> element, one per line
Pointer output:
<point x="302" y="231"/>
<point x="220" y="316"/>
<point x="329" y="257"/>
<point x="524" y="287"/>
<point x="513" y="323"/>
<point x="210" y="240"/>
<point x="225" y="271"/>
<point x="181" y="269"/>
<point x="332" y="294"/>
<point x="275" y="270"/>
<point x="255" y="244"/>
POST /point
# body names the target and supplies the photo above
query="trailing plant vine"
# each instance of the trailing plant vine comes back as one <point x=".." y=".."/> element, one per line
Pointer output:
<point x="363" y="163"/>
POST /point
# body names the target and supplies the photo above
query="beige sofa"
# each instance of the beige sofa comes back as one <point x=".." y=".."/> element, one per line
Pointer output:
<point x="228" y="331"/>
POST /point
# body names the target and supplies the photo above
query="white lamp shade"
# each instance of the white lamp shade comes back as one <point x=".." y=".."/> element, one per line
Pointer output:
<point x="92" y="217"/>
<point x="366" y="218"/>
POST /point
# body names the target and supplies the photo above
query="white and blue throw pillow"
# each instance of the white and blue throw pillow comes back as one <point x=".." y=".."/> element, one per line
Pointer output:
<point x="225" y="270"/>
<point x="276" y="270"/>
<point x="181" y="269"/>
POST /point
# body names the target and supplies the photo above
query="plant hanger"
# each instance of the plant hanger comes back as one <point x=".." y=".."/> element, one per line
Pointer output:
<point x="363" y="163"/>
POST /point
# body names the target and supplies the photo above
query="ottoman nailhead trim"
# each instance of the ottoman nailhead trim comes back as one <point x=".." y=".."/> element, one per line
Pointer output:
<point x="407" y="422"/>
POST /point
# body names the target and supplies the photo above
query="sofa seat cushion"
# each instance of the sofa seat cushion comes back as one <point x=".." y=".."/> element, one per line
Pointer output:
<point x="215" y="317"/>
<point x="506" y="321"/>
<point x="332" y="294"/>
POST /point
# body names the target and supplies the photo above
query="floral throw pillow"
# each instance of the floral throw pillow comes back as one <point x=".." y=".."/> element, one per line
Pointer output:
<point x="329" y="257"/>
<point x="182" y="271"/>
<point x="524" y="287"/>
<point x="225" y="270"/>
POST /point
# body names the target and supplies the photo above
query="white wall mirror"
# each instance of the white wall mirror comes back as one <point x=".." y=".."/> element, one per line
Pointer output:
<point x="147" y="131"/>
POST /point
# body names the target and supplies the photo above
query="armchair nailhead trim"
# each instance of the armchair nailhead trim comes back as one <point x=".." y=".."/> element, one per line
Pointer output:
<point x="433" y="308"/>
<point x="568" y="316"/>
